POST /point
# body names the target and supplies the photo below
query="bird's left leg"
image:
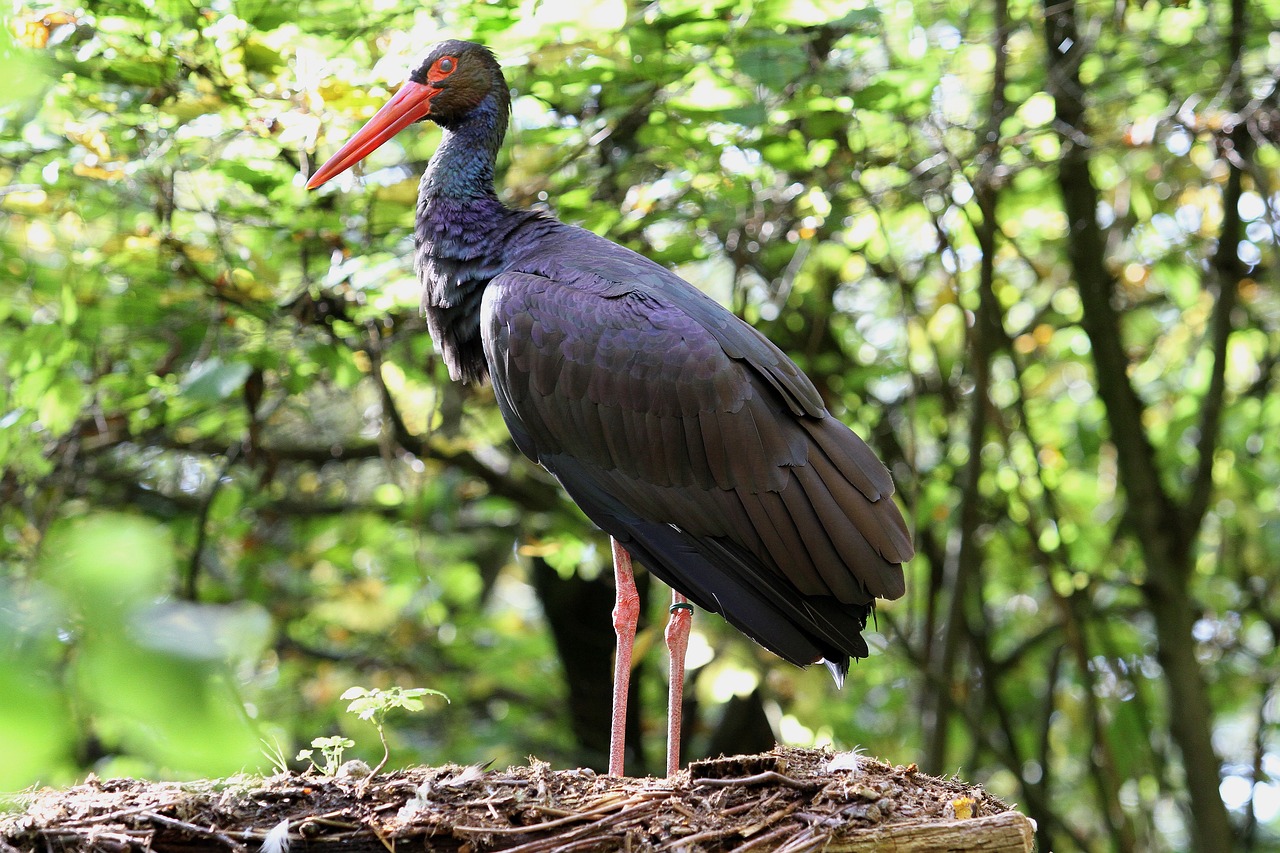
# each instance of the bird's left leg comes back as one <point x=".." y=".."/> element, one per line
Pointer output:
<point x="677" y="644"/>
<point x="626" y="611"/>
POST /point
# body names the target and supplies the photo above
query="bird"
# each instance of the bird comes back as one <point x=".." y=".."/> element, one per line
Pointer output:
<point x="679" y="429"/>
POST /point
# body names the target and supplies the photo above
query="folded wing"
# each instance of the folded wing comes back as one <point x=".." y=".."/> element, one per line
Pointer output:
<point x="689" y="437"/>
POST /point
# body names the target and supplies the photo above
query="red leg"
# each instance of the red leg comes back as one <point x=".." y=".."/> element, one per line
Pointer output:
<point x="626" y="610"/>
<point x="677" y="643"/>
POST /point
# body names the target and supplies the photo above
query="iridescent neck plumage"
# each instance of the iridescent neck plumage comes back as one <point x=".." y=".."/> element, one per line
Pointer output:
<point x="462" y="167"/>
<point x="459" y="214"/>
<point x="461" y="234"/>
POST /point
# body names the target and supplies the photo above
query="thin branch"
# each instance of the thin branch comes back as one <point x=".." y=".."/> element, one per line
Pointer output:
<point x="1227" y="271"/>
<point x="986" y="338"/>
<point x="191" y="581"/>
<point x="533" y="493"/>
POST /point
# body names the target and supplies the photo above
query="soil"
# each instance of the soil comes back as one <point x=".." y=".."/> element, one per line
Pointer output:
<point x="787" y="799"/>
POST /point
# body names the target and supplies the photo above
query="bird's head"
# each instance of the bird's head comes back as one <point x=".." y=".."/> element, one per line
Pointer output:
<point x="447" y="87"/>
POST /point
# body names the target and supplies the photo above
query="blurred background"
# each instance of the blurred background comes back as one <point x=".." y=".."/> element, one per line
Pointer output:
<point x="1027" y="250"/>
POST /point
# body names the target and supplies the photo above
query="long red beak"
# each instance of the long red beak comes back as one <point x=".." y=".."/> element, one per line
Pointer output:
<point x="412" y="103"/>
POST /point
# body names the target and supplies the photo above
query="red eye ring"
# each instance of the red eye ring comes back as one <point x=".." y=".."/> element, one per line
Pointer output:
<point x="441" y="68"/>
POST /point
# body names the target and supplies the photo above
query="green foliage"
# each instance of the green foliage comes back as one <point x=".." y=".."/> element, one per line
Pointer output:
<point x="235" y="479"/>
<point x="331" y="750"/>
<point x="374" y="705"/>
<point x="100" y="650"/>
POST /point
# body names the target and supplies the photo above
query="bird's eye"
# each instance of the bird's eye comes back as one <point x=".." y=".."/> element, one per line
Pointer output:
<point x="445" y="65"/>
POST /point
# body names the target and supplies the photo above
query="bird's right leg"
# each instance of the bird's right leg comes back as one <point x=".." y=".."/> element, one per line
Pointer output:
<point x="678" y="644"/>
<point x="626" y="611"/>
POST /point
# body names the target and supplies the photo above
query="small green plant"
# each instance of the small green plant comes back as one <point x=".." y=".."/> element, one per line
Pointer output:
<point x="275" y="754"/>
<point x="331" y="749"/>
<point x="373" y="705"/>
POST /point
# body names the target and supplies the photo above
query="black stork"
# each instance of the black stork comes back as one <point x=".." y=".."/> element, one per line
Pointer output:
<point x="679" y="429"/>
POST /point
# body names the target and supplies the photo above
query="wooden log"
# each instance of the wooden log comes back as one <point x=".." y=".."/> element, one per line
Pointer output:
<point x="1009" y="832"/>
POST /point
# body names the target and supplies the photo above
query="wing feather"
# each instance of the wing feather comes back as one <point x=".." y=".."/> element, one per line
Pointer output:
<point x="693" y="440"/>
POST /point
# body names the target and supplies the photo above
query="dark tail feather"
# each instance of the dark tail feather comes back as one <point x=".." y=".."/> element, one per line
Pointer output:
<point x="724" y="578"/>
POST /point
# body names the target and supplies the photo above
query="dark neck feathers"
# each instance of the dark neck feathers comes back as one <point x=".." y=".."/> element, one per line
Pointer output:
<point x="463" y="233"/>
<point x="462" y="167"/>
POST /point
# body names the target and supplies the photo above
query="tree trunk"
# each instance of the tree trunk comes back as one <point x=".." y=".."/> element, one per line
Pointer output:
<point x="1159" y="524"/>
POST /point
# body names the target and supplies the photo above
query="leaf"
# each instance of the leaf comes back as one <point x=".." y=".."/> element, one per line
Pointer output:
<point x="410" y="698"/>
<point x="773" y="63"/>
<point x="261" y="180"/>
<point x="268" y="15"/>
<point x="751" y="115"/>
<point x="810" y="13"/>
<point x="142" y="72"/>
<point x="213" y="379"/>
<point x="60" y="405"/>
<point x="261" y="59"/>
